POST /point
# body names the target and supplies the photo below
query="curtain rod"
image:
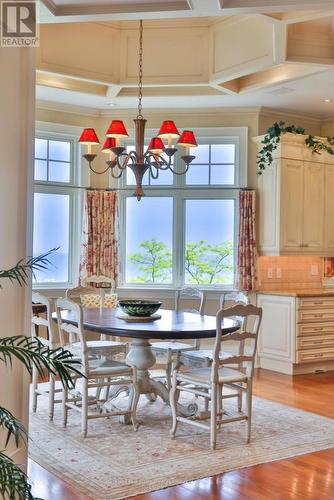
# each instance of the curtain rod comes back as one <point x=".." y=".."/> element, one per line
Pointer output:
<point x="195" y="188"/>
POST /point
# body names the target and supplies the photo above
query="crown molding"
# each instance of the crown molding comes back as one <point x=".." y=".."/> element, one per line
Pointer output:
<point x="158" y="112"/>
<point x="291" y="114"/>
<point x="153" y="112"/>
<point x="67" y="108"/>
<point x="208" y="111"/>
<point x="328" y="118"/>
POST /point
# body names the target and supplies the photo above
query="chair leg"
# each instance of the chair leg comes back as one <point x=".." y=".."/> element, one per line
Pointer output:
<point x="99" y="390"/>
<point x="169" y="369"/>
<point x="213" y="417"/>
<point x="135" y="399"/>
<point x="206" y="404"/>
<point x="51" y="396"/>
<point x="173" y="398"/>
<point x="249" y="410"/>
<point x="64" y="407"/>
<point x="220" y="404"/>
<point x="34" y="388"/>
<point x="239" y="400"/>
<point x="84" y="407"/>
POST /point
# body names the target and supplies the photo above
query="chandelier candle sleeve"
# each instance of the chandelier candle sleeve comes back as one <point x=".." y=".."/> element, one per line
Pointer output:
<point x="155" y="158"/>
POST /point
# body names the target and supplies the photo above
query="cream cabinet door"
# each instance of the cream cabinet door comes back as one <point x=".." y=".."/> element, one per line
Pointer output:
<point x="291" y="223"/>
<point x="276" y="347"/>
<point x="313" y="207"/>
<point x="329" y="209"/>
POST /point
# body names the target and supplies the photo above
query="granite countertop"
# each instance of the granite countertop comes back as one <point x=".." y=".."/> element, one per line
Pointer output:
<point x="315" y="292"/>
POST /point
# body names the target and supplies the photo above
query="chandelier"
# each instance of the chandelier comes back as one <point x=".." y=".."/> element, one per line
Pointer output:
<point x="157" y="156"/>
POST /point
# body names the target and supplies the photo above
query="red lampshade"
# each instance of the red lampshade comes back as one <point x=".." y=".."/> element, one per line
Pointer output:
<point x="187" y="139"/>
<point x="117" y="129"/>
<point x="168" y="129"/>
<point x="156" y="145"/>
<point x="88" y="136"/>
<point x="110" y="142"/>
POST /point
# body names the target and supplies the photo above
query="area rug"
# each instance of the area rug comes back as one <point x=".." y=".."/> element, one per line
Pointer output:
<point x="114" y="462"/>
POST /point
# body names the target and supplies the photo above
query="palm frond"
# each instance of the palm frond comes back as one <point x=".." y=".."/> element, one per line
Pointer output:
<point x="14" y="482"/>
<point x="26" y="267"/>
<point x="13" y="426"/>
<point x="32" y="352"/>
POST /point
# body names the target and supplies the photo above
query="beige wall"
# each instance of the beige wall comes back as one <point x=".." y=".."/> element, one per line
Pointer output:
<point x="327" y="127"/>
<point x="268" y="117"/>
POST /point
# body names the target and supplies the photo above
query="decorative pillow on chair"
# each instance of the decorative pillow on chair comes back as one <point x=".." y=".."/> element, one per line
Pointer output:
<point x="90" y="300"/>
<point x="110" y="300"/>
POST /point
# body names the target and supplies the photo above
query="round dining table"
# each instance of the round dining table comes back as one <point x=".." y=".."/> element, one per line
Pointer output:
<point x="173" y="325"/>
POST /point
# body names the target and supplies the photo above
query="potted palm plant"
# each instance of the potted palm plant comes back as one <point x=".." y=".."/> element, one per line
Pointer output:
<point x="14" y="483"/>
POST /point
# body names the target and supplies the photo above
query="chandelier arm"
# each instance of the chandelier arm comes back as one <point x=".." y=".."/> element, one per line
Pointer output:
<point x="125" y="161"/>
<point x="100" y="171"/>
<point x="179" y="173"/>
<point x="116" y="176"/>
<point x="154" y="175"/>
<point x="163" y="164"/>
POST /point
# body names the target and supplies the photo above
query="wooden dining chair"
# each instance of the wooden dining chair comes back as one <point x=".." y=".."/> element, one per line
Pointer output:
<point x="203" y="357"/>
<point x="209" y="382"/>
<point x="94" y="374"/>
<point x="88" y="297"/>
<point x="184" y="298"/>
<point x="47" y="388"/>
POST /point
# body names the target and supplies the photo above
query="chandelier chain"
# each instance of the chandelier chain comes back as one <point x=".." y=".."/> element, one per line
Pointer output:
<point x="140" y="82"/>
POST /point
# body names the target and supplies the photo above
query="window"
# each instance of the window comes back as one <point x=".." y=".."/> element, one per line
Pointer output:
<point x="184" y="230"/>
<point x="55" y="208"/>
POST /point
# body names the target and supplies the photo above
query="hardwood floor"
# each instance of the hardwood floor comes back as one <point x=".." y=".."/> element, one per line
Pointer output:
<point x="306" y="477"/>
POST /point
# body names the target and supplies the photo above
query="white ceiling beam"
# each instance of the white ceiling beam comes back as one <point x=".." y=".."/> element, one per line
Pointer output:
<point x="113" y="91"/>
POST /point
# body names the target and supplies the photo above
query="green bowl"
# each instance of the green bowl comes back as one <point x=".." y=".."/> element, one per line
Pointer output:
<point x="139" y="307"/>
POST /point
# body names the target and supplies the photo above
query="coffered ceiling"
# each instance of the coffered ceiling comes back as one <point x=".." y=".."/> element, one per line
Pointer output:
<point x="79" y="10"/>
<point x="197" y="53"/>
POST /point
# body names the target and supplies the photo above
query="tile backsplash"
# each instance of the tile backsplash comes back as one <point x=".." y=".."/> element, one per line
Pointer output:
<point x="297" y="272"/>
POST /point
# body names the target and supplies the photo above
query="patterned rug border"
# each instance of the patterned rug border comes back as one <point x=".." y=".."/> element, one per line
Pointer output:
<point x="314" y="443"/>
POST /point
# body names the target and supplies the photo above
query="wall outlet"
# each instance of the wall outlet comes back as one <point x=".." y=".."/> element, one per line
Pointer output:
<point x="270" y="273"/>
<point x="279" y="273"/>
<point x="314" y="270"/>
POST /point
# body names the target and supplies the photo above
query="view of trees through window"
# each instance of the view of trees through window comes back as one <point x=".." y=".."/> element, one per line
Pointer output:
<point x="209" y="235"/>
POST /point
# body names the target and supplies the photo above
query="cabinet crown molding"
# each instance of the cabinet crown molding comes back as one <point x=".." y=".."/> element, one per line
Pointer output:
<point x="293" y="146"/>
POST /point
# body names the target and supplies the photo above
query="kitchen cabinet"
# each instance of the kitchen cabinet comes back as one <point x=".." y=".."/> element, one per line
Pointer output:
<point x="329" y="208"/>
<point x="295" y="201"/>
<point x="297" y="332"/>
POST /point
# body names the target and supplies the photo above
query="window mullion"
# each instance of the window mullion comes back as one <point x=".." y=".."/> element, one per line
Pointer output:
<point x="178" y="240"/>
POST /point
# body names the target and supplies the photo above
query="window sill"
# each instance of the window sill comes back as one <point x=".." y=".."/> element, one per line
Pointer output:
<point x="166" y="292"/>
<point x="138" y="292"/>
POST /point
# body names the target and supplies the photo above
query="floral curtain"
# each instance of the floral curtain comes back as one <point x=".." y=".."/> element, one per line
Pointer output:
<point x="247" y="278"/>
<point x="99" y="246"/>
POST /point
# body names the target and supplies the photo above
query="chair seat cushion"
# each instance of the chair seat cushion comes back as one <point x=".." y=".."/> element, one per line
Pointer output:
<point x="203" y="375"/>
<point x="171" y="346"/>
